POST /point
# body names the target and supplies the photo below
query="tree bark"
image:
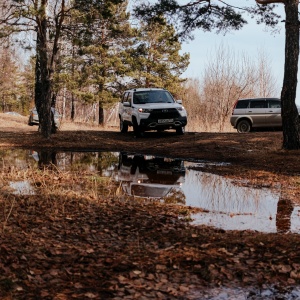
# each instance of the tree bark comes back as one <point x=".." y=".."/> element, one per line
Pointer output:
<point x="289" y="112"/>
<point x="46" y="63"/>
<point x="43" y="86"/>
<point x="72" y="108"/>
<point x="101" y="114"/>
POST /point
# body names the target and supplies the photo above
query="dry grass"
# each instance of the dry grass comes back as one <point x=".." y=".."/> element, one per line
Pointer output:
<point x="9" y="122"/>
<point x="52" y="185"/>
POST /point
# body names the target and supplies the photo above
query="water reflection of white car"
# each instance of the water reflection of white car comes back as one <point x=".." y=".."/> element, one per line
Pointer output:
<point x="149" y="176"/>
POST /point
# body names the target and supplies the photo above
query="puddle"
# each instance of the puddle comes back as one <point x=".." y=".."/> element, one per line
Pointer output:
<point x="22" y="188"/>
<point x="233" y="207"/>
<point x="223" y="204"/>
<point x="239" y="293"/>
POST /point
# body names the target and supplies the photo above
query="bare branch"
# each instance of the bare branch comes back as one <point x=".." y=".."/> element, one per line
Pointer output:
<point x="269" y="1"/>
<point x="195" y="3"/>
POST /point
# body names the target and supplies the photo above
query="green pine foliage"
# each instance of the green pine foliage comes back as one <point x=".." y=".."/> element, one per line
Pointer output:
<point x="156" y="59"/>
<point x="94" y="68"/>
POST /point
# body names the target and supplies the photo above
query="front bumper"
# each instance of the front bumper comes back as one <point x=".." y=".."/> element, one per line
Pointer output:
<point x="157" y="124"/>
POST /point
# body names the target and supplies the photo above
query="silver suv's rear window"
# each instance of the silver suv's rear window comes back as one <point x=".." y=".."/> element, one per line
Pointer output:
<point x="258" y="104"/>
<point x="242" y="104"/>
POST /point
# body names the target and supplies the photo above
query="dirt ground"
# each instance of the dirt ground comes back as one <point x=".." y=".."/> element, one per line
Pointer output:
<point x="166" y="258"/>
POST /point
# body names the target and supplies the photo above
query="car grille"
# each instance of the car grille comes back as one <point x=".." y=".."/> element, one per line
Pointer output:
<point x="166" y="113"/>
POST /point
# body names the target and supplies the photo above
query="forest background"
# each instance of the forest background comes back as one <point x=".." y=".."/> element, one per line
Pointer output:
<point x="100" y="57"/>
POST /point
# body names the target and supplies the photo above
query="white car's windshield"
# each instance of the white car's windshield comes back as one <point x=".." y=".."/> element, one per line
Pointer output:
<point x="144" y="97"/>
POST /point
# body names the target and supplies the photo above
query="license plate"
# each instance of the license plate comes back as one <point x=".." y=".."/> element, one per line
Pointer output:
<point x="165" y="121"/>
<point x="163" y="172"/>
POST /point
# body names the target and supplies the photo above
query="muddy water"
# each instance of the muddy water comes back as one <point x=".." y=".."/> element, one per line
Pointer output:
<point x="223" y="203"/>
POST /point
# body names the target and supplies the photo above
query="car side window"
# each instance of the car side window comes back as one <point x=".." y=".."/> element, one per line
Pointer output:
<point x="258" y="104"/>
<point x="129" y="98"/>
<point x="274" y="104"/>
<point x="124" y="97"/>
<point x="242" y="104"/>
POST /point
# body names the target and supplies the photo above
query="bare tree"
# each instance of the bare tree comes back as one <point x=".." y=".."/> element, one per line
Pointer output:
<point x="267" y="84"/>
<point x="45" y="18"/>
<point x="9" y="77"/>
<point x="226" y="79"/>
<point x="191" y="96"/>
<point x="228" y="76"/>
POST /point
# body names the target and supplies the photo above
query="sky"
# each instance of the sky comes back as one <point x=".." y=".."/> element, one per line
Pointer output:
<point x="249" y="40"/>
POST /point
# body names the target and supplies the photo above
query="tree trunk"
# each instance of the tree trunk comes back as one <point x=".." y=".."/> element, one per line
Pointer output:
<point x="101" y="114"/>
<point x="42" y="85"/>
<point x="72" y="108"/>
<point x="290" y="116"/>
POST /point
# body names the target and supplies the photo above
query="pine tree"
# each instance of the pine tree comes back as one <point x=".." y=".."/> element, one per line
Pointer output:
<point x="156" y="57"/>
<point x="98" y="61"/>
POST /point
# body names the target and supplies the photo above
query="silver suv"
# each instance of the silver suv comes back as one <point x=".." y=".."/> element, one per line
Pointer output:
<point x="256" y="113"/>
<point x="151" y="109"/>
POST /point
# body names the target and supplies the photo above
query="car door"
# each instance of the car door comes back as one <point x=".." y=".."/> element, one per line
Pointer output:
<point x="126" y="109"/>
<point x="257" y="112"/>
<point x="273" y="116"/>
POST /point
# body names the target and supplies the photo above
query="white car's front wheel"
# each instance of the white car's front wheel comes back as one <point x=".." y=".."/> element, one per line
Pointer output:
<point x="138" y="132"/>
<point x="123" y="126"/>
<point x="180" y="130"/>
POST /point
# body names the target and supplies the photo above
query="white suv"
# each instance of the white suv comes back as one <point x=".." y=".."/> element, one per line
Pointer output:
<point x="151" y="109"/>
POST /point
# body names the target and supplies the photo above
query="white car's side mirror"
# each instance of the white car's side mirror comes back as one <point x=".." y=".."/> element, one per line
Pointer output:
<point x="179" y="101"/>
<point x="126" y="104"/>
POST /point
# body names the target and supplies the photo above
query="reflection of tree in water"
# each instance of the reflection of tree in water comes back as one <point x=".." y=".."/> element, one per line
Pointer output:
<point x="283" y="216"/>
<point x="99" y="161"/>
<point x="175" y="196"/>
<point x="47" y="159"/>
<point x="77" y="161"/>
<point x="221" y="195"/>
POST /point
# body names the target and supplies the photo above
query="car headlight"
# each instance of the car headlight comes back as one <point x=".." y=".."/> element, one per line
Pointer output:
<point x="181" y="108"/>
<point x="145" y="110"/>
<point x="181" y="111"/>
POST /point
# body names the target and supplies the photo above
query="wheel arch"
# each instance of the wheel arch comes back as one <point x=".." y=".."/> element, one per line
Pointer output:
<point x="244" y="118"/>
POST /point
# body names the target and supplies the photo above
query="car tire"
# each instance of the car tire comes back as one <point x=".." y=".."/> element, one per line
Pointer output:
<point x="123" y="126"/>
<point x="243" y="126"/>
<point x="30" y="122"/>
<point x="180" y="130"/>
<point x="137" y="129"/>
